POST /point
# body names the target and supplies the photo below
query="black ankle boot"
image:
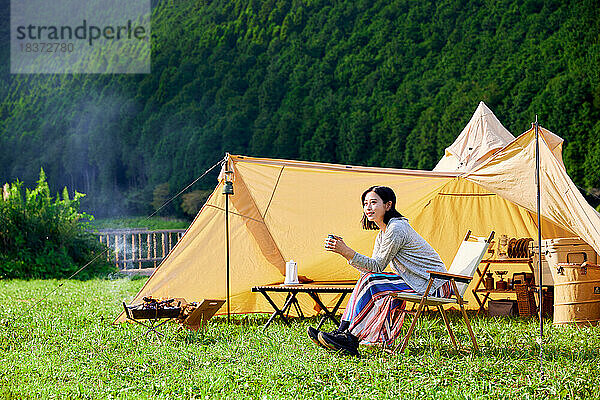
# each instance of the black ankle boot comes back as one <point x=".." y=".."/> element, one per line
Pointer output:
<point x="313" y="334"/>
<point x="345" y="342"/>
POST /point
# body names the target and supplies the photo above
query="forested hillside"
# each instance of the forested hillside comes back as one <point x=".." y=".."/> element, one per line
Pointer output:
<point x="387" y="83"/>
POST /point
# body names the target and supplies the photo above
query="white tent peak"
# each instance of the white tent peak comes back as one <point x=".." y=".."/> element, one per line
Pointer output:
<point x="482" y="137"/>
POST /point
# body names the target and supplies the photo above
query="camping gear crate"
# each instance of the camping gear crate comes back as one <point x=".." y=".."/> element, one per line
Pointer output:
<point x="560" y="250"/>
<point x="502" y="308"/>
<point x="577" y="294"/>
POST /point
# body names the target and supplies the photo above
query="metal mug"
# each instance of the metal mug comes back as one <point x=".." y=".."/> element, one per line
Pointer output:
<point x="330" y="236"/>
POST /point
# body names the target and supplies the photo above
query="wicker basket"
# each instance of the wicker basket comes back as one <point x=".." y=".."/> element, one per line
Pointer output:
<point x="525" y="301"/>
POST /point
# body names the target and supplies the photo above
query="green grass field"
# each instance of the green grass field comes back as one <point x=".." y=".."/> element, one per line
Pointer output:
<point x="67" y="347"/>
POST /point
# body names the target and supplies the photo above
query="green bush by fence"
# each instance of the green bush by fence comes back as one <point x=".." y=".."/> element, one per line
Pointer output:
<point x="45" y="237"/>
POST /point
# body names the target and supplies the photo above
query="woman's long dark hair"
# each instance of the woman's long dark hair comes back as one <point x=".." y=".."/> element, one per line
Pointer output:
<point x="386" y="194"/>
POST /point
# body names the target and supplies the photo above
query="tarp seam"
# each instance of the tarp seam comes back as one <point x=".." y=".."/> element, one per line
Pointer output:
<point x="273" y="193"/>
<point x="468" y="194"/>
<point x="233" y="212"/>
<point x="354" y="168"/>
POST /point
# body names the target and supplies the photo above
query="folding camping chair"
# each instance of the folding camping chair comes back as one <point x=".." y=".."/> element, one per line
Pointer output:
<point x="463" y="267"/>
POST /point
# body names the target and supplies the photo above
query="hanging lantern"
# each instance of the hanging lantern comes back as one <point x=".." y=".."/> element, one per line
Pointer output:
<point x="228" y="188"/>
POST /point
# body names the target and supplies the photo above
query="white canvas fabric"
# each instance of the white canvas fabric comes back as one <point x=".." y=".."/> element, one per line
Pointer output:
<point x="483" y="135"/>
<point x="467" y="259"/>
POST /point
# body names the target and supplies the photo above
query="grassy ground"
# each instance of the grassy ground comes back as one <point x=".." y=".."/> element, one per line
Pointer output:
<point x="153" y="223"/>
<point x="68" y="348"/>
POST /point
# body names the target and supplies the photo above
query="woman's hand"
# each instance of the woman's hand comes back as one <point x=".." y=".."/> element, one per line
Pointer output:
<point x="337" y="245"/>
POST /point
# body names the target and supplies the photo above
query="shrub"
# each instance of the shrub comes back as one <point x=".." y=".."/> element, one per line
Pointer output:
<point x="42" y="237"/>
<point x="192" y="202"/>
<point x="160" y="196"/>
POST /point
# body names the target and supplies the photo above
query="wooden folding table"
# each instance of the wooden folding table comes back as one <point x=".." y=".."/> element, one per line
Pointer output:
<point x="312" y="289"/>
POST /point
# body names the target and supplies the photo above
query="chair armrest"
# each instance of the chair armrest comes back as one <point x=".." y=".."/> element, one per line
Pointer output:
<point x="447" y="276"/>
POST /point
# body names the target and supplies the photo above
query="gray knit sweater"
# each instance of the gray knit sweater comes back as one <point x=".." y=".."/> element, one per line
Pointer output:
<point x="408" y="252"/>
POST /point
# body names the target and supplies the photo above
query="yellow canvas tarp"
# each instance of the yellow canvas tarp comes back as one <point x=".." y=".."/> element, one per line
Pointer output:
<point x="284" y="209"/>
<point x="280" y="210"/>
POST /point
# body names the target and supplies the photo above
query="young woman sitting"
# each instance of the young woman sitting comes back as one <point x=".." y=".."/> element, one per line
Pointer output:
<point x="371" y="316"/>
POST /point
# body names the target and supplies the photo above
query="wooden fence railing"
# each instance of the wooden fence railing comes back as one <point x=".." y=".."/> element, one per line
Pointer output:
<point x="138" y="248"/>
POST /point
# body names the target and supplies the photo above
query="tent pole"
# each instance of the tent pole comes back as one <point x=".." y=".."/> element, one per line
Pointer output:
<point x="227" y="241"/>
<point x="227" y="191"/>
<point x="539" y="221"/>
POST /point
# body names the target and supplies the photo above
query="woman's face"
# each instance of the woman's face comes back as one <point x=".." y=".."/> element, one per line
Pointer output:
<point x="374" y="208"/>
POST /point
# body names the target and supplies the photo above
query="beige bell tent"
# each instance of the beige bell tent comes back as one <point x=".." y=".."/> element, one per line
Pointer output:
<point x="478" y="141"/>
<point x="284" y="209"/>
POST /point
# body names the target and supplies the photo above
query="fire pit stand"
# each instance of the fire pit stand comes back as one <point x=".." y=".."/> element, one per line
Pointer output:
<point x="152" y="315"/>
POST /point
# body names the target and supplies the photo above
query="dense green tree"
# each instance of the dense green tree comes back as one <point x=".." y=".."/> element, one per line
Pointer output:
<point x="388" y="83"/>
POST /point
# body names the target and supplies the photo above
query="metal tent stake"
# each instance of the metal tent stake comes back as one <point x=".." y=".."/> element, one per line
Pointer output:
<point x="227" y="191"/>
<point x="539" y="221"/>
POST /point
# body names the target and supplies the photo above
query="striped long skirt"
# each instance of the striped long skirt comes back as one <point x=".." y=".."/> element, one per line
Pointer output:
<point x="375" y="317"/>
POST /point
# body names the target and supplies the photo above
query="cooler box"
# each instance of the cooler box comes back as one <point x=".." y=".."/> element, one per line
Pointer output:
<point x="560" y="250"/>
